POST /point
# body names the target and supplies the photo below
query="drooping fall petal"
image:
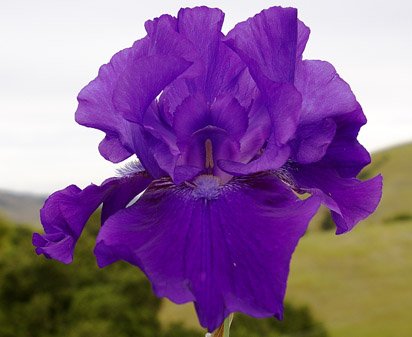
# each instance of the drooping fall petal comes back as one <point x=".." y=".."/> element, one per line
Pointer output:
<point x="65" y="212"/>
<point x="227" y="251"/>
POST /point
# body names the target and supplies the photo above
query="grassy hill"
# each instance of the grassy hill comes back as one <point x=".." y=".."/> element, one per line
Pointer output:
<point x="359" y="284"/>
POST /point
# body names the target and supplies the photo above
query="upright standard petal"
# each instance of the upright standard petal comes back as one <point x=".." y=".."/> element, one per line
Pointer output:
<point x="202" y="27"/>
<point x="96" y="108"/>
<point x="267" y="44"/>
<point x="202" y="244"/>
<point x="324" y="96"/>
<point x="127" y="85"/>
<point x="324" y="93"/>
<point x="303" y="37"/>
<point x="142" y="80"/>
<point x="283" y="105"/>
<point x="65" y="212"/>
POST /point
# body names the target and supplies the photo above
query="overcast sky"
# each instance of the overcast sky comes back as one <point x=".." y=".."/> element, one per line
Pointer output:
<point x="50" y="49"/>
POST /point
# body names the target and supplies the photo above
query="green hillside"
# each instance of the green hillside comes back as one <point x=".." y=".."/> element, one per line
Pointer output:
<point x="359" y="284"/>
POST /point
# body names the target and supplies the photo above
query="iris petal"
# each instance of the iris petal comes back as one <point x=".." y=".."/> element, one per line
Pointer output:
<point x="312" y="141"/>
<point x="202" y="27"/>
<point x="345" y="153"/>
<point x="65" y="212"/>
<point x="267" y="44"/>
<point x="303" y="37"/>
<point x="142" y="80"/>
<point x="227" y="253"/>
<point x="96" y="108"/>
<point x="123" y="89"/>
<point x="349" y="199"/>
<point x="221" y="67"/>
<point x="283" y="108"/>
<point x="227" y="129"/>
<point x="324" y="93"/>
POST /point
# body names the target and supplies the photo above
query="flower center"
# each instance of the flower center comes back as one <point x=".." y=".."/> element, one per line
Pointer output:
<point x="206" y="186"/>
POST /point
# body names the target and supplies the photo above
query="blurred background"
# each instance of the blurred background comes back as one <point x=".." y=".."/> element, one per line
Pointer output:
<point x="356" y="285"/>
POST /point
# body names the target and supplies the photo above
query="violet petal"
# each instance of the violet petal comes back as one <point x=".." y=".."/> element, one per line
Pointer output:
<point x="349" y="199"/>
<point x="65" y="212"/>
<point x="226" y="251"/>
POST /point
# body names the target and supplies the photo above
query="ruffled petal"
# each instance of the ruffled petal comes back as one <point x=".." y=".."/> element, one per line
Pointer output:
<point x="227" y="248"/>
<point x="350" y="200"/>
<point x="312" y="141"/>
<point x="65" y="212"/>
<point x="272" y="158"/>
<point x="96" y="108"/>
<point x="127" y="85"/>
<point x="303" y="37"/>
<point x="219" y="70"/>
<point x="221" y="67"/>
<point x="324" y="93"/>
<point x="142" y="80"/>
<point x="283" y="106"/>
<point x="267" y="44"/>
<point x="329" y="107"/>
<point x="202" y="27"/>
<point x="345" y="153"/>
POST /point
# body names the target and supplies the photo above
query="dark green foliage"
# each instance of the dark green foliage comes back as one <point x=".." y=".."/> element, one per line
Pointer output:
<point x="297" y="322"/>
<point x="398" y="217"/>
<point x="177" y="330"/>
<point x="327" y="222"/>
<point x="43" y="298"/>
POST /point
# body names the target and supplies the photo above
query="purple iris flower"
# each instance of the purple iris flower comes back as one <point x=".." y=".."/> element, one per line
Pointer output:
<point x="228" y="130"/>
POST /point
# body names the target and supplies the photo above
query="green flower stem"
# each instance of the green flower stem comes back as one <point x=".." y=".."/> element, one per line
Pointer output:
<point x="226" y="325"/>
<point x="224" y="329"/>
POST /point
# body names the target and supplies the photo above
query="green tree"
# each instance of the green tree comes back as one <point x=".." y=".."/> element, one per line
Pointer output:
<point x="43" y="298"/>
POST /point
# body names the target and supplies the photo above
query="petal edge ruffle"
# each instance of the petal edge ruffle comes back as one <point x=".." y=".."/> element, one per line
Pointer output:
<point x="66" y="212"/>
